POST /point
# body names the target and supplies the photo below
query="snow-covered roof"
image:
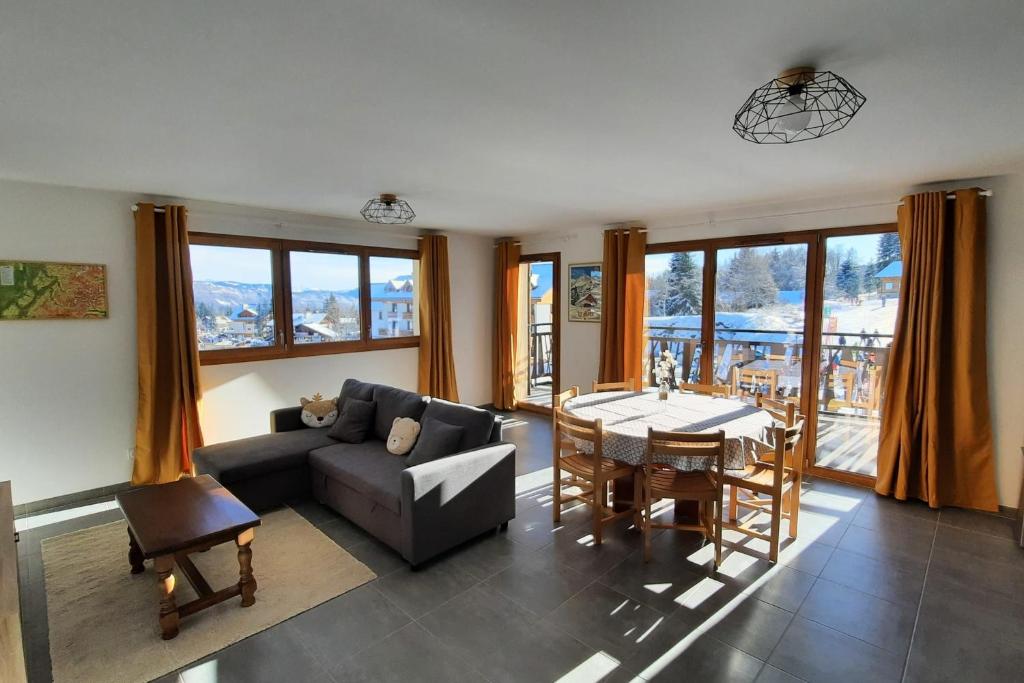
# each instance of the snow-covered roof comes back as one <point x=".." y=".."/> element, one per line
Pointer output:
<point x="894" y="269"/>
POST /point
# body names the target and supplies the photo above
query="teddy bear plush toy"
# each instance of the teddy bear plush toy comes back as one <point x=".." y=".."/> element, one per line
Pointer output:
<point x="318" y="412"/>
<point x="402" y="438"/>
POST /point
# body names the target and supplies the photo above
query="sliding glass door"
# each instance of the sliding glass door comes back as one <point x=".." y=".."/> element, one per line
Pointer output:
<point x="807" y="317"/>
<point x="538" y="357"/>
<point x="860" y="293"/>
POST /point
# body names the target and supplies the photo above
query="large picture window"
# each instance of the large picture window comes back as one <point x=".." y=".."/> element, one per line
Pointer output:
<point x="259" y="298"/>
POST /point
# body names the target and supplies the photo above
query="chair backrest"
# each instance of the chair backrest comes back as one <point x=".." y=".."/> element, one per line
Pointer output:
<point x="781" y="411"/>
<point x="685" y="445"/>
<point x="568" y="427"/>
<point x="559" y="399"/>
<point x="755" y="378"/>
<point x="709" y="389"/>
<point x="628" y="385"/>
<point x="785" y="453"/>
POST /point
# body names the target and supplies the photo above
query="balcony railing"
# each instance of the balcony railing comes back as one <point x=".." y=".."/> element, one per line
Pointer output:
<point x="850" y="370"/>
<point x="541" y="338"/>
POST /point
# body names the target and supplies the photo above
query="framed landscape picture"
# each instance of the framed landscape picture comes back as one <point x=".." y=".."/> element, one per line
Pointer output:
<point x="585" y="292"/>
<point x="42" y="290"/>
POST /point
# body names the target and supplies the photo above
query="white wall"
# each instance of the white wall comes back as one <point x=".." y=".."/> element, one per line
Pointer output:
<point x="68" y="388"/>
<point x="581" y="341"/>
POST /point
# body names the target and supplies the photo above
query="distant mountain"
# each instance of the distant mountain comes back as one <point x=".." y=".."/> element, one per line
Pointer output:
<point x="223" y="296"/>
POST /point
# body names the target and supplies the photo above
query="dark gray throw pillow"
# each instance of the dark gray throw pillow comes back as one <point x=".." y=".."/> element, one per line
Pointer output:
<point x="354" y="421"/>
<point x="437" y="439"/>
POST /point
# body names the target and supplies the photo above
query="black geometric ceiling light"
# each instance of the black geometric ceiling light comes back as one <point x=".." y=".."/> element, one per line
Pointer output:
<point x="389" y="209"/>
<point x="801" y="104"/>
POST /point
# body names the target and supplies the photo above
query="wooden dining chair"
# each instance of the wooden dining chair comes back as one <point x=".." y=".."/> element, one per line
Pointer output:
<point x="707" y="389"/>
<point x="782" y="411"/>
<point x="628" y="385"/>
<point x="772" y="485"/>
<point x="755" y="378"/>
<point x="655" y="481"/>
<point x="591" y="472"/>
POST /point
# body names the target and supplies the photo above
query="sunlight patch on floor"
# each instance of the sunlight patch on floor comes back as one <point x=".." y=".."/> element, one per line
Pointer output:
<point x="594" y="668"/>
<point x="36" y="521"/>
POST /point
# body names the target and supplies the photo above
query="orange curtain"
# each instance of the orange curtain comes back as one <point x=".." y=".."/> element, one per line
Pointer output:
<point x="437" y="367"/>
<point x="622" y="305"/>
<point x="167" y="426"/>
<point x="506" y="311"/>
<point x="936" y="439"/>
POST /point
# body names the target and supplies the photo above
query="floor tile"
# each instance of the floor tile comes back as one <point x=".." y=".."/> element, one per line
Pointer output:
<point x="752" y="626"/>
<point x="815" y="653"/>
<point x="890" y="579"/>
<point x="349" y="623"/>
<point x="488" y="554"/>
<point x="343" y="532"/>
<point x="783" y="587"/>
<point x="677" y="650"/>
<point x="409" y="654"/>
<point x="907" y="544"/>
<point x="769" y="674"/>
<point x="662" y="584"/>
<point x="606" y="620"/>
<point x="980" y="522"/>
<point x="314" y="512"/>
<point x="539" y="583"/>
<point x="882" y="623"/>
<point x="271" y="656"/>
<point x="978" y="545"/>
<point x="503" y="641"/>
<point x="576" y="549"/>
<point x="810" y="558"/>
<point x="419" y="591"/>
<point x="381" y="559"/>
<point x="533" y="527"/>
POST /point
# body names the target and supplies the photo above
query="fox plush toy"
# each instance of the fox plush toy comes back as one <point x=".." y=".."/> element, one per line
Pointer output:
<point x="318" y="412"/>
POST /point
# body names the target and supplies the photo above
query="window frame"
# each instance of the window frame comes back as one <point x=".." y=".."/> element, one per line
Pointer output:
<point x="280" y="256"/>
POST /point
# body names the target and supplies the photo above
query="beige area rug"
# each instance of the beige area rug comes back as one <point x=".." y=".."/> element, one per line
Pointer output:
<point x="103" y="619"/>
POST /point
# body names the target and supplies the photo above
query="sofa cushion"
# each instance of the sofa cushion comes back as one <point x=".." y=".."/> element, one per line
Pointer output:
<point x="477" y="422"/>
<point x="353" y="388"/>
<point x="437" y="440"/>
<point x="354" y="422"/>
<point x="364" y="467"/>
<point x="246" y="458"/>
<point x="392" y="403"/>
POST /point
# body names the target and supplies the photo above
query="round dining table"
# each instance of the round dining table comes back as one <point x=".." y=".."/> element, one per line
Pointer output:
<point x="626" y="415"/>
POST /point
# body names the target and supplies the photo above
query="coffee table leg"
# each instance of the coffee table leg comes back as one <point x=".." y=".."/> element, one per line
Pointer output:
<point x="168" y="607"/>
<point x="134" y="554"/>
<point x="246" y="581"/>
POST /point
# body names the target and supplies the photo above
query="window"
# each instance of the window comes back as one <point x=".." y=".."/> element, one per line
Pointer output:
<point x="393" y="295"/>
<point x="325" y="297"/>
<point x="260" y="298"/>
<point x="233" y="289"/>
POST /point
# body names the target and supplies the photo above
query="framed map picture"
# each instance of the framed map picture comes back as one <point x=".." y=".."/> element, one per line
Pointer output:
<point x="41" y="290"/>
<point x="585" y="292"/>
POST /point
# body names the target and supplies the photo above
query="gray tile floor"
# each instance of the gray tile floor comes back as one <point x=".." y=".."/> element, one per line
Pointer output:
<point x="873" y="591"/>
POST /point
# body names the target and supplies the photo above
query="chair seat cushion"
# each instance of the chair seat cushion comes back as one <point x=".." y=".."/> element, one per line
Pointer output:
<point x="365" y="467"/>
<point x="258" y="455"/>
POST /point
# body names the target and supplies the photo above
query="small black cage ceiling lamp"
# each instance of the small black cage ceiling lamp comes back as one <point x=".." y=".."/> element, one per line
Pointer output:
<point x="389" y="209"/>
<point x="800" y="104"/>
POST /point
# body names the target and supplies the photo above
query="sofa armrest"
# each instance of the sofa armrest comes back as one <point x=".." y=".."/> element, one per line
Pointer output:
<point x="452" y="499"/>
<point x="287" y="419"/>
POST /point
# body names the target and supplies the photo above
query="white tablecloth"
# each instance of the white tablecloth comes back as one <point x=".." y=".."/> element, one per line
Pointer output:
<point x="626" y="416"/>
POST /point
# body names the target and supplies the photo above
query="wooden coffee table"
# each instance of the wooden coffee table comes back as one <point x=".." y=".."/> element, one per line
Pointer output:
<point x="168" y="522"/>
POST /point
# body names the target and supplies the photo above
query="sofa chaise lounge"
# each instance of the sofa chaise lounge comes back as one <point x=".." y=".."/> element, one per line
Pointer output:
<point x="419" y="510"/>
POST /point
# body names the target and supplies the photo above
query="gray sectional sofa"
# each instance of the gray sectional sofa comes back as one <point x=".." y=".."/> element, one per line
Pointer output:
<point x="420" y="511"/>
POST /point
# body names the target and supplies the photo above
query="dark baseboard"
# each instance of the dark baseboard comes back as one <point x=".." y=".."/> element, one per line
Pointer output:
<point x="70" y="500"/>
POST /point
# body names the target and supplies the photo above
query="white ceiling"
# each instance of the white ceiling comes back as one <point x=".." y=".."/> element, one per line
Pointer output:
<point x="497" y="116"/>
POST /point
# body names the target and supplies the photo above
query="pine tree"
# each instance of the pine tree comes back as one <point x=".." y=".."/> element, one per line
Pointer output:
<point x="684" y="285"/>
<point x="747" y="282"/>
<point x="888" y="249"/>
<point x="789" y="268"/>
<point x="848" y="277"/>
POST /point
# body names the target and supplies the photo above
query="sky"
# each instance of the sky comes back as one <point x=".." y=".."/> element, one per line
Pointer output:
<point x="309" y="270"/>
<point x="866" y="247"/>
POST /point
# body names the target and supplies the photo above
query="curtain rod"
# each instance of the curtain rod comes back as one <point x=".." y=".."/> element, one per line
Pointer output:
<point x="279" y="224"/>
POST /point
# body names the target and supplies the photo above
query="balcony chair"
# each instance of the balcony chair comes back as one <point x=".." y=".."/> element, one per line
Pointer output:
<point x="776" y="473"/>
<point x="783" y="412"/>
<point x="708" y="389"/>
<point x="591" y="472"/>
<point x="628" y="385"/>
<point x="755" y="379"/>
<point x="655" y="481"/>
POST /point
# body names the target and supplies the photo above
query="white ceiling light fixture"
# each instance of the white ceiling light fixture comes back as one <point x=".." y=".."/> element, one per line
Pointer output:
<point x="800" y="104"/>
<point x="388" y="209"/>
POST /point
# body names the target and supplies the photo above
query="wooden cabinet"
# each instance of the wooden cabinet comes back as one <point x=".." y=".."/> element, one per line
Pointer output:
<point x="12" y="653"/>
